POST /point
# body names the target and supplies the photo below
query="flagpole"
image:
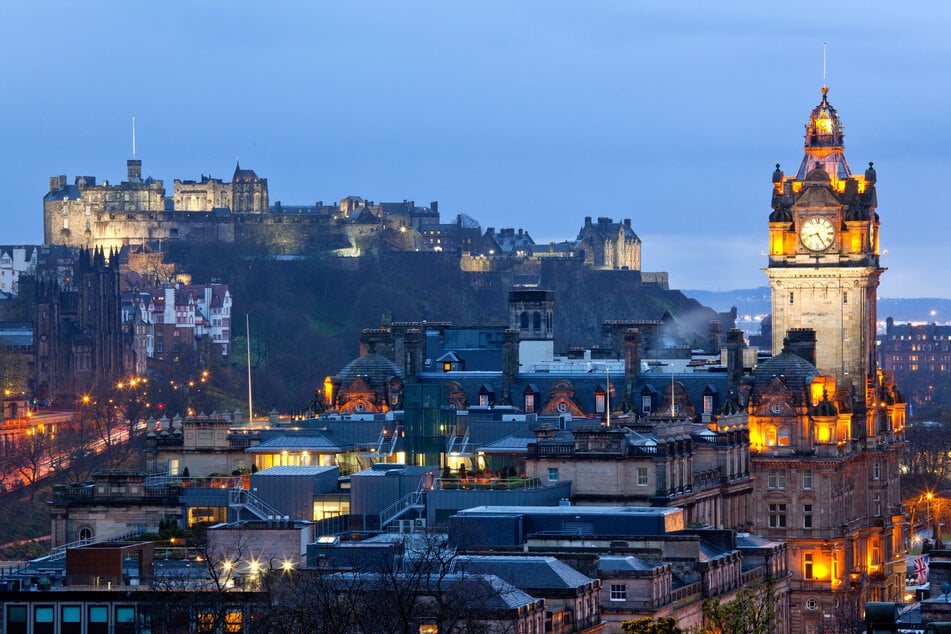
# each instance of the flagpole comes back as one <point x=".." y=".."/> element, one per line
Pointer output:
<point x="247" y="325"/>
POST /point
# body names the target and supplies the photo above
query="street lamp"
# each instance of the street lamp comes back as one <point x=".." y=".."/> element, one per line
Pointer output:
<point x="929" y="496"/>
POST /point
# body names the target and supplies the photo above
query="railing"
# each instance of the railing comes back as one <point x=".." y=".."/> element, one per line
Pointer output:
<point x="215" y="482"/>
<point x="483" y="484"/>
<point x="550" y="450"/>
<point x="122" y="534"/>
<point x="244" y="499"/>
<point x="409" y="501"/>
<point x="686" y="592"/>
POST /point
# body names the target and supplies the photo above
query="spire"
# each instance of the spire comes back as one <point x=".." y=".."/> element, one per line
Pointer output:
<point x="825" y="141"/>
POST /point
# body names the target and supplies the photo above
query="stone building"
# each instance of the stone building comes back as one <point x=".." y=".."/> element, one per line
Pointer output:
<point x="920" y="357"/>
<point x="79" y="338"/>
<point x="611" y="245"/>
<point x="826" y="424"/>
<point x="173" y="320"/>
<point x="76" y="214"/>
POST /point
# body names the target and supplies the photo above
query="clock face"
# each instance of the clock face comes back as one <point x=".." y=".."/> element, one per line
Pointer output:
<point x="817" y="234"/>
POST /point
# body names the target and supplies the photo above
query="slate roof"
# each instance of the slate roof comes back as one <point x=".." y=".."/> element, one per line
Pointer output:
<point x="70" y="191"/>
<point x="373" y="366"/>
<point x="797" y="371"/>
<point x="618" y="564"/>
<point x="526" y="572"/>
<point x="509" y="444"/>
<point x="319" y="444"/>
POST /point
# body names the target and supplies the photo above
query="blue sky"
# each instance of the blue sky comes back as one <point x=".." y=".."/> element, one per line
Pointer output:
<point x="531" y="114"/>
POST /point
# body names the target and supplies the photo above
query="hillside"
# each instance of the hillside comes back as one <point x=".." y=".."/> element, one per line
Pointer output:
<point x="306" y="313"/>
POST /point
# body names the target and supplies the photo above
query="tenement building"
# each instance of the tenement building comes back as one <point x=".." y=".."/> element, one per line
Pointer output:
<point x="826" y="424"/>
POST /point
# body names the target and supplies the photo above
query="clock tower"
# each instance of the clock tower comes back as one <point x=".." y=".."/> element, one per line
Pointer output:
<point x="823" y="256"/>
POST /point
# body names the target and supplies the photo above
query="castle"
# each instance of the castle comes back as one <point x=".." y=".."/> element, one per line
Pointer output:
<point x="139" y="211"/>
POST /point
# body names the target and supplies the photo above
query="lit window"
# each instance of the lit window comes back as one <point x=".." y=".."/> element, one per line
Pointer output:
<point x="599" y="401"/>
<point x="618" y="592"/>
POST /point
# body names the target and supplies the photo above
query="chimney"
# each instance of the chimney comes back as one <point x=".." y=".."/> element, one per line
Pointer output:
<point x="632" y="358"/>
<point x="509" y="363"/>
<point x="54" y="183"/>
<point x="802" y="341"/>
<point x="587" y="221"/>
<point x="434" y="206"/>
<point x="62" y="181"/>
<point x="735" y="344"/>
<point x="627" y="223"/>
<point x="134" y="168"/>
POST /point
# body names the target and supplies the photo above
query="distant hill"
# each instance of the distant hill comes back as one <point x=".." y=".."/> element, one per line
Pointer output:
<point x="756" y="301"/>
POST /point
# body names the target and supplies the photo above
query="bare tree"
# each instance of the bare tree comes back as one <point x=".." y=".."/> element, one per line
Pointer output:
<point x="753" y="611"/>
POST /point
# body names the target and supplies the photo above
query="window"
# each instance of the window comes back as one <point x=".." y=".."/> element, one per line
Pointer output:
<point x="812" y="604"/>
<point x="599" y="401"/>
<point x="777" y="516"/>
<point x="553" y="474"/>
<point x="807" y="566"/>
<point x="792" y="298"/>
<point x="878" y="505"/>
<point x="71" y="617"/>
<point x="98" y="619"/>
<point x="876" y="471"/>
<point x="642" y="476"/>
<point x="125" y="619"/>
<point x="845" y="297"/>
<point x="43" y="619"/>
<point x="807" y="479"/>
<point x="776" y="479"/>
<point x="646" y="404"/>
<point x="707" y="403"/>
<point x="16" y="619"/>
<point x="85" y="533"/>
<point x="618" y="592"/>
<point x="807" y="515"/>
<point x="529" y="403"/>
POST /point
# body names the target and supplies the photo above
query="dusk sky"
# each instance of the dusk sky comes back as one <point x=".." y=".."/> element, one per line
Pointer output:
<point x="520" y="114"/>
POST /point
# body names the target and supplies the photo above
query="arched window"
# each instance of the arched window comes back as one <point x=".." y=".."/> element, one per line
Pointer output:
<point x="537" y="321"/>
<point x="85" y="533"/>
<point x="523" y="321"/>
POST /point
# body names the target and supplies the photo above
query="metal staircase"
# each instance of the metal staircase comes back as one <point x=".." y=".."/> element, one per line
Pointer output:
<point x="413" y="501"/>
<point x="244" y="500"/>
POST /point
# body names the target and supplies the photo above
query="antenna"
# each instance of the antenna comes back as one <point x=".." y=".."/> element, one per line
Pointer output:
<point x="824" y="45"/>
<point x="607" y="395"/>
<point x="133" y="137"/>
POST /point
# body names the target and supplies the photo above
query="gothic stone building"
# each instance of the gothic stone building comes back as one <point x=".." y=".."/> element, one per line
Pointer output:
<point x="78" y="335"/>
<point x="826" y="424"/>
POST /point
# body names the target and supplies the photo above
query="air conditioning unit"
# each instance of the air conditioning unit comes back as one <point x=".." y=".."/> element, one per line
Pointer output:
<point x="421" y="522"/>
